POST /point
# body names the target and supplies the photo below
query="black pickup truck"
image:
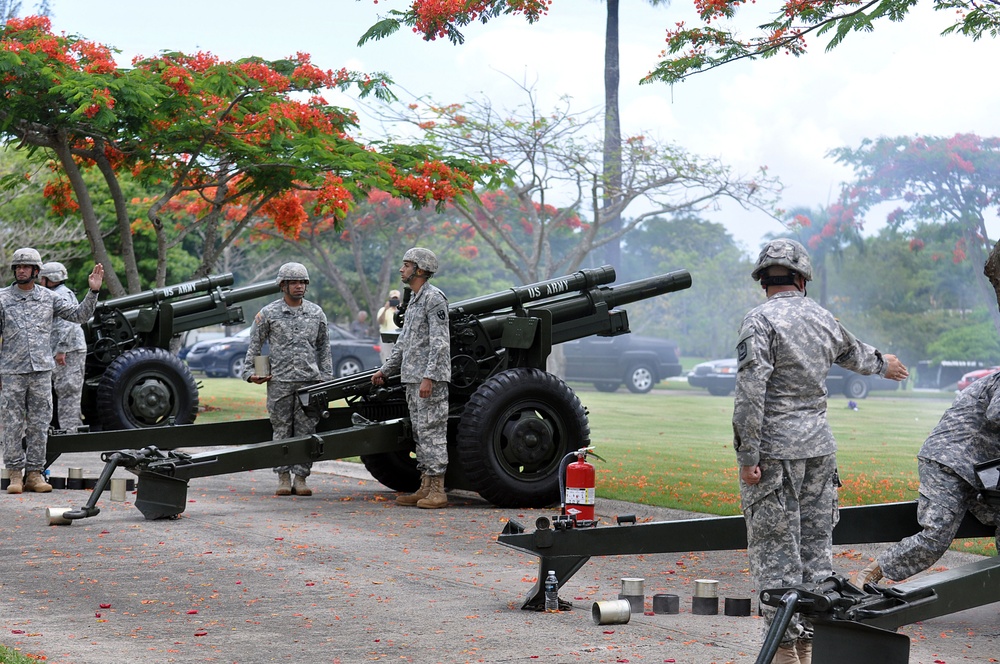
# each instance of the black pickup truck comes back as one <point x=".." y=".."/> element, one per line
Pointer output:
<point x="607" y="362"/>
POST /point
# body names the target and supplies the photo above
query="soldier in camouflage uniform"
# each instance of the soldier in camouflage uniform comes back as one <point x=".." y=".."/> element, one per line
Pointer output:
<point x="968" y="433"/>
<point x="27" y="312"/>
<point x="784" y="446"/>
<point x="422" y="357"/>
<point x="299" y="339"/>
<point x="69" y="350"/>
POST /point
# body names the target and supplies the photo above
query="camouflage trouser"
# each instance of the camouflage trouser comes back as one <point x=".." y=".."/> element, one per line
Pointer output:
<point x="790" y="515"/>
<point x="25" y="412"/>
<point x="429" y="418"/>
<point x="944" y="499"/>
<point x="288" y="420"/>
<point x="67" y="383"/>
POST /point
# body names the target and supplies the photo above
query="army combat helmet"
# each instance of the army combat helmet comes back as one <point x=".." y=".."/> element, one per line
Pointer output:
<point x="53" y="271"/>
<point x="422" y="258"/>
<point x="292" y="272"/>
<point x="26" y="256"/>
<point x="786" y="253"/>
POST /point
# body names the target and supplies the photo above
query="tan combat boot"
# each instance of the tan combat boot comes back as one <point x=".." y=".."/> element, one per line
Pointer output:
<point x="804" y="649"/>
<point x="15" y="485"/>
<point x="436" y="497"/>
<point x="34" y="481"/>
<point x="870" y="574"/>
<point x="785" y="655"/>
<point x="284" y="485"/>
<point x="299" y="487"/>
<point x="419" y="494"/>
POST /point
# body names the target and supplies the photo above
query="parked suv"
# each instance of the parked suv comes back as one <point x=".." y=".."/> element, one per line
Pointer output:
<point x="351" y="354"/>
<point x="607" y="362"/>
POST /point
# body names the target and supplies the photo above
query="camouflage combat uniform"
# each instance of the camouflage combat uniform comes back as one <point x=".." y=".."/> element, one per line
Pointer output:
<point x="785" y="349"/>
<point x="67" y="379"/>
<point x="300" y="356"/>
<point x="968" y="433"/>
<point x="423" y="350"/>
<point x="26" y="363"/>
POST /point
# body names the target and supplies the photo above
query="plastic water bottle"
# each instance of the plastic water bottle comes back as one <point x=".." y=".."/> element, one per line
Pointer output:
<point x="551" y="592"/>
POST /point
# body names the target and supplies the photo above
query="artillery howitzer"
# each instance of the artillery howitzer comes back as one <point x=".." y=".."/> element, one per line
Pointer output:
<point x="132" y="380"/>
<point x="510" y="422"/>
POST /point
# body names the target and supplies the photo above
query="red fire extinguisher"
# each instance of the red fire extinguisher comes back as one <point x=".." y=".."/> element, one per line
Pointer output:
<point x="580" y="487"/>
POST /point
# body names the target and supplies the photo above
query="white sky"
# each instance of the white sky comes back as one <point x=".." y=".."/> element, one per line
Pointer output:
<point x="786" y="113"/>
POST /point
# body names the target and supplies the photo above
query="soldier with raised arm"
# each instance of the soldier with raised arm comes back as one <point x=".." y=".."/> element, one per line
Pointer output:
<point x="27" y="312"/>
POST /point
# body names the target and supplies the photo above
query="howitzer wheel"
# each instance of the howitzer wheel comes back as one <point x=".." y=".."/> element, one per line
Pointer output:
<point x="396" y="470"/>
<point x="515" y="431"/>
<point x="145" y="387"/>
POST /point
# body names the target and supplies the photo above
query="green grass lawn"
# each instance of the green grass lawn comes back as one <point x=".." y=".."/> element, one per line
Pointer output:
<point x="673" y="446"/>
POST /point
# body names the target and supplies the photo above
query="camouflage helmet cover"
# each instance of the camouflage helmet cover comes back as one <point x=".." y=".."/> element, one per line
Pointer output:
<point x="54" y="271"/>
<point x="26" y="256"/>
<point x="786" y="253"/>
<point x="292" y="272"/>
<point x="422" y="258"/>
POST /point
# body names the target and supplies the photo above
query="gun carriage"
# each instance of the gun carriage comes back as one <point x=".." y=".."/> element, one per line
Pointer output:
<point x="132" y="380"/>
<point x="510" y="422"/>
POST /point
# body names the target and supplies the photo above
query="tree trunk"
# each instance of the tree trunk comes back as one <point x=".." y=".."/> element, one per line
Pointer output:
<point x="612" y="135"/>
<point x="90" y="224"/>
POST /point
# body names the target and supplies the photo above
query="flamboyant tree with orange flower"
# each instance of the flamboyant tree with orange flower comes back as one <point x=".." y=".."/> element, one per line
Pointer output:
<point x="234" y="140"/>
<point x="952" y="181"/>
<point x="359" y="256"/>
<point x="711" y="43"/>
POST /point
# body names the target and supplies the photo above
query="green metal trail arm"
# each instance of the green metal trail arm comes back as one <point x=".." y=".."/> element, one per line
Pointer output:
<point x="565" y="551"/>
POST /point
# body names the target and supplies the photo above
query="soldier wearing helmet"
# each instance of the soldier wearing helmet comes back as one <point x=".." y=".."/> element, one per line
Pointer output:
<point x="422" y="358"/>
<point x="27" y="315"/>
<point x="69" y="350"/>
<point x="784" y="446"/>
<point x="299" y="352"/>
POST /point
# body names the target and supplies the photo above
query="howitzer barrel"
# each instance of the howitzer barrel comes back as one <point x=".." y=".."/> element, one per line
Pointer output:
<point x="231" y="296"/>
<point x="578" y="281"/>
<point x="159" y="294"/>
<point x="567" y="308"/>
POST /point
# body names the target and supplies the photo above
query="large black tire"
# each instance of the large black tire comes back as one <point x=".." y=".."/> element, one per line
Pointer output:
<point x="640" y="378"/>
<point x="720" y="391"/>
<point x="396" y="470"/>
<point x="145" y="387"/>
<point x="607" y="385"/>
<point x="856" y="387"/>
<point x="515" y="431"/>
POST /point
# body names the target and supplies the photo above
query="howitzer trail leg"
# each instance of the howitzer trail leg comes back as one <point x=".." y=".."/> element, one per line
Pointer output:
<point x="299" y="487"/>
<point x="410" y="499"/>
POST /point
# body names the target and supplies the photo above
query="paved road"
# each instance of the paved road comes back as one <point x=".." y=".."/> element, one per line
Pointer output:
<point x="348" y="576"/>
